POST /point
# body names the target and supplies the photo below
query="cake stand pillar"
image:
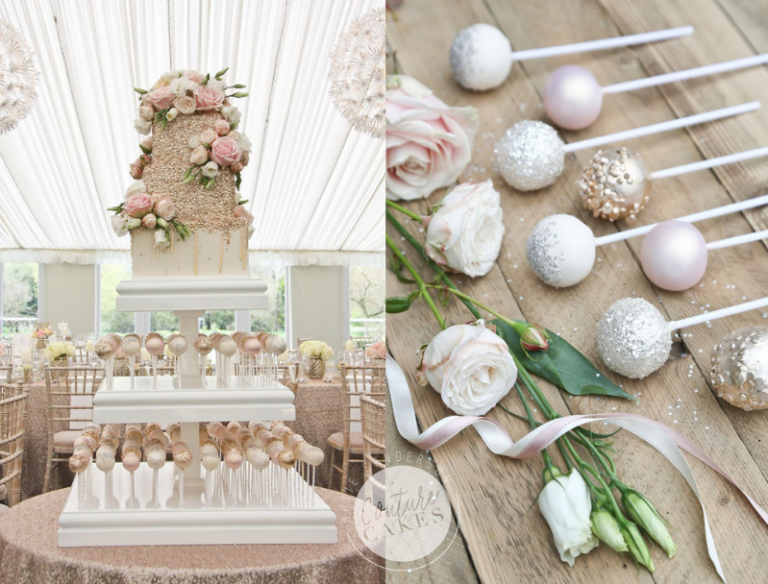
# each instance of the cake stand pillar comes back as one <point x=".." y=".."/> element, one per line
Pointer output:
<point x="189" y="377"/>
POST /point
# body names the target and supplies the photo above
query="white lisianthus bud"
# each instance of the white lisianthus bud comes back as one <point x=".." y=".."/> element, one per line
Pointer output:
<point x="133" y="223"/>
<point x="119" y="224"/>
<point x="244" y="142"/>
<point x="137" y="186"/>
<point x="565" y="504"/>
<point x="171" y="115"/>
<point x="466" y="231"/>
<point x="143" y="127"/>
<point x="211" y="169"/>
<point x="231" y="113"/>
<point x="607" y="529"/>
<point x="161" y="239"/>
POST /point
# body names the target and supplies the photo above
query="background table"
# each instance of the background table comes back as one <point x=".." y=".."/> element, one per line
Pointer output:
<point x="504" y="541"/>
<point x="29" y="555"/>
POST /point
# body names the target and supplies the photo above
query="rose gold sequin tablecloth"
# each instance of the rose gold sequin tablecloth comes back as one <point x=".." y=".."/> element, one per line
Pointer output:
<point x="29" y="555"/>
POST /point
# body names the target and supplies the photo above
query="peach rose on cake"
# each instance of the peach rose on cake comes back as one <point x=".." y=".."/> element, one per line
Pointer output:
<point x="165" y="208"/>
<point x="185" y="104"/>
<point x="149" y="221"/>
<point x="208" y="136"/>
<point x="160" y="98"/>
<point x="237" y="167"/>
<point x="199" y="155"/>
<point x="429" y="143"/>
<point x="137" y="205"/>
<point x="242" y="213"/>
<point x="226" y="151"/>
<point x="136" y="171"/>
<point x="208" y="97"/>
<point x="221" y="127"/>
<point x="147" y="113"/>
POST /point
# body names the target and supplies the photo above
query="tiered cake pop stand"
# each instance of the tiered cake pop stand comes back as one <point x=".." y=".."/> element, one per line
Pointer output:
<point x="223" y="507"/>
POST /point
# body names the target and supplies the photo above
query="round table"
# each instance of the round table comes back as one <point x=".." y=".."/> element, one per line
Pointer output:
<point x="29" y="555"/>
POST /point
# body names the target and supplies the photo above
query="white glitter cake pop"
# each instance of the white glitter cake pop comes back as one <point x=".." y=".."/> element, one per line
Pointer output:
<point x="633" y="338"/>
<point x="530" y="155"/>
<point x="177" y="344"/>
<point x="561" y="250"/>
<point x="740" y="368"/>
<point x="481" y="57"/>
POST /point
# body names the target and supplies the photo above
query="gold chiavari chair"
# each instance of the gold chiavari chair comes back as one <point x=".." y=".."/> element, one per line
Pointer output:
<point x="6" y="372"/>
<point x="69" y="391"/>
<point x="13" y="421"/>
<point x="374" y="412"/>
<point x="356" y="382"/>
<point x="285" y="375"/>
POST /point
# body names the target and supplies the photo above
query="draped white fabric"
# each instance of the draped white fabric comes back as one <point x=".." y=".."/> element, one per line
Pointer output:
<point x="316" y="187"/>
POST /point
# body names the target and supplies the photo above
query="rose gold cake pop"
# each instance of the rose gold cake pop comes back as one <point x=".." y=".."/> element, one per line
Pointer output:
<point x="203" y="344"/>
<point x="155" y="344"/>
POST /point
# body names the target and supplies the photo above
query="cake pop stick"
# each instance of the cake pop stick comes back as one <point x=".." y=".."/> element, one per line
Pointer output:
<point x="530" y="155"/>
<point x="674" y="254"/>
<point x="573" y="98"/>
<point x="616" y="184"/>
<point x="131" y="348"/>
<point x="561" y="249"/>
<point x="634" y="338"/>
<point x="481" y="56"/>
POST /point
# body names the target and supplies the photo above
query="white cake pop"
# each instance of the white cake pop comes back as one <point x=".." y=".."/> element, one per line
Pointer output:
<point x="177" y="344"/>
<point x="131" y="345"/>
<point x="226" y="346"/>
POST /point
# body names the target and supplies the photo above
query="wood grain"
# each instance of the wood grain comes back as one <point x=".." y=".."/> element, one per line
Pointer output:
<point x="493" y="495"/>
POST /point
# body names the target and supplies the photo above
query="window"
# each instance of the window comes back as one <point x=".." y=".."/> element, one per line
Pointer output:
<point x="19" y="303"/>
<point x="272" y="319"/>
<point x="113" y="321"/>
<point x="366" y="301"/>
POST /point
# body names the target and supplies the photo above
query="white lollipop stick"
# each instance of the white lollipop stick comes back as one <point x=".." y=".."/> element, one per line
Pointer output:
<point x="623" y="41"/>
<point x="715" y="314"/>
<point x="711" y="163"/>
<point x="687" y="74"/>
<point x="739" y="239"/>
<point x="663" y="126"/>
<point x="693" y="218"/>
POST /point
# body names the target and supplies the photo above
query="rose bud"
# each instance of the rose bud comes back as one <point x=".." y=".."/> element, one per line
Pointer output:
<point x="149" y="221"/>
<point x="534" y="338"/>
<point x="221" y="127"/>
<point x="236" y="167"/>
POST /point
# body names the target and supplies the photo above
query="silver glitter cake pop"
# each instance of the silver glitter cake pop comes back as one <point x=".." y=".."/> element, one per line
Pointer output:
<point x="633" y="338"/>
<point x="530" y="155"/>
<point x="740" y="368"/>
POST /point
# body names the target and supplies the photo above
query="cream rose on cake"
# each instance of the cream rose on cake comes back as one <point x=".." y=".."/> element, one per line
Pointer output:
<point x="186" y="105"/>
<point x="470" y="367"/>
<point x="429" y="143"/>
<point x="466" y="231"/>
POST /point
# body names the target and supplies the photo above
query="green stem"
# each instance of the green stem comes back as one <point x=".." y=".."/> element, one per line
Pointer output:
<point x="518" y="325"/>
<point x="404" y="211"/>
<point x="419" y="281"/>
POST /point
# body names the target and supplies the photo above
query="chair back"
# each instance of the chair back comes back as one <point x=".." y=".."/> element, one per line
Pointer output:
<point x="69" y="391"/>
<point x="374" y="433"/>
<point x="13" y="420"/>
<point x="284" y="375"/>
<point x="357" y="381"/>
<point x="6" y="373"/>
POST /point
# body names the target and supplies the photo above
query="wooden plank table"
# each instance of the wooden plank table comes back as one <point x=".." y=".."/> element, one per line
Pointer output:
<point x="505" y="543"/>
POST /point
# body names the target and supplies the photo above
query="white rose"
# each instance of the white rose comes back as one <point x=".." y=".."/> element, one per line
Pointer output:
<point x="194" y="141"/>
<point x="143" y="127"/>
<point x="466" y="231"/>
<point x="231" y="113"/>
<point x="211" y="169"/>
<point x="243" y="142"/>
<point x="470" y="367"/>
<point x="171" y="115"/>
<point x="564" y="502"/>
<point x="428" y="142"/>
<point x="137" y="186"/>
<point x="161" y="240"/>
<point x="119" y="224"/>
<point x="180" y="85"/>
<point x="174" y="74"/>
<point x="216" y="84"/>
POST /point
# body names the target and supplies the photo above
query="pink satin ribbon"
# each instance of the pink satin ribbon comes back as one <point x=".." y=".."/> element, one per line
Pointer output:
<point x="663" y="438"/>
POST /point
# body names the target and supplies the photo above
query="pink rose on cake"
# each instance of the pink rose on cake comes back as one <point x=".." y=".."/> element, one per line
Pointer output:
<point x="194" y="75"/>
<point x="225" y="151"/>
<point x="138" y="205"/>
<point x="208" y="136"/>
<point x="242" y="213"/>
<point x="160" y="98"/>
<point x="136" y="172"/>
<point x="164" y="208"/>
<point x="186" y="105"/>
<point x="221" y="127"/>
<point x="149" y="221"/>
<point x="208" y="97"/>
<point x="199" y="155"/>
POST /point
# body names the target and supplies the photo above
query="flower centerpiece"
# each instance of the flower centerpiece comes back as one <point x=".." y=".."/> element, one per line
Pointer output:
<point x="42" y="332"/>
<point x="58" y="354"/>
<point x="317" y="352"/>
<point x="377" y="352"/>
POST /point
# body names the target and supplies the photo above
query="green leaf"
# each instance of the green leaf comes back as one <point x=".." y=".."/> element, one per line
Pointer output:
<point x="234" y="126"/>
<point x="238" y="180"/>
<point x="562" y="365"/>
<point x="145" y="150"/>
<point x="243" y="202"/>
<point x="395" y="304"/>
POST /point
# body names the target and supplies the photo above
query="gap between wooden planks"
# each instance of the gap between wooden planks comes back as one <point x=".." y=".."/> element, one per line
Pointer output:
<point x="493" y="508"/>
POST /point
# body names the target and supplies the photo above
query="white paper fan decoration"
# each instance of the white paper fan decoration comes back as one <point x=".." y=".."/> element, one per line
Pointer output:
<point x="17" y="78"/>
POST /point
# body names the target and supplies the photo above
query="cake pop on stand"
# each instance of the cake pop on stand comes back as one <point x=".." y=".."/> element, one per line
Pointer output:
<point x="105" y="349"/>
<point x="634" y="339"/>
<point x="739" y="372"/>
<point x="252" y="350"/>
<point x="616" y="185"/>
<point x="481" y="56"/>
<point x="177" y="346"/>
<point x="156" y="454"/>
<point x="131" y="348"/>
<point x="203" y="345"/>
<point x="561" y="249"/>
<point x="530" y="155"/>
<point x="573" y="98"/>
<point x="226" y="347"/>
<point x="130" y="453"/>
<point x="155" y="346"/>
<point x="674" y="253"/>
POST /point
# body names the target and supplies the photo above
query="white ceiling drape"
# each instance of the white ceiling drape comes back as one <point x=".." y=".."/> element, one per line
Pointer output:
<point x="316" y="188"/>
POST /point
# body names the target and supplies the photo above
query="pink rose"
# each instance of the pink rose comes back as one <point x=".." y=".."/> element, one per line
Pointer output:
<point x="377" y="350"/>
<point x="147" y="113"/>
<point x="136" y="172"/>
<point x="225" y="151"/>
<point x="208" y="136"/>
<point x="164" y="208"/>
<point x="137" y="205"/>
<point x="428" y="142"/>
<point x="161" y="98"/>
<point x="208" y="97"/>
<point x="149" y="221"/>
<point x="193" y="75"/>
<point x="221" y="127"/>
<point x="242" y="213"/>
<point x="199" y="155"/>
<point x="236" y="167"/>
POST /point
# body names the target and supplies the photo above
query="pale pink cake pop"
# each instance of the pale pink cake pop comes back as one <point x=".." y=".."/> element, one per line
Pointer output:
<point x="251" y="347"/>
<point x="572" y="97"/>
<point x="674" y="255"/>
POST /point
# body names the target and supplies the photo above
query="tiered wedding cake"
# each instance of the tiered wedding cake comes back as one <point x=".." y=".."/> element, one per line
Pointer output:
<point x="189" y="232"/>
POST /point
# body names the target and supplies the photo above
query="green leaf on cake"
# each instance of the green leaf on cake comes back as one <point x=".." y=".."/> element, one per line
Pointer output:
<point x="238" y="180"/>
<point x="561" y="364"/>
<point x="145" y="150"/>
<point x="234" y="126"/>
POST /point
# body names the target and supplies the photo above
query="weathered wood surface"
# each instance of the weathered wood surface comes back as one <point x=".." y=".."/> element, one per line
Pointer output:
<point x="493" y="495"/>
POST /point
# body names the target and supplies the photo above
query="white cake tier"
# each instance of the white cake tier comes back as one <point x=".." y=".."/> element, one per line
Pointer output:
<point x="197" y="293"/>
<point x="275" y="506"/>
<point x="246" y="398"/>
<point x="204" y="253"/>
